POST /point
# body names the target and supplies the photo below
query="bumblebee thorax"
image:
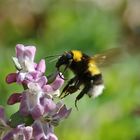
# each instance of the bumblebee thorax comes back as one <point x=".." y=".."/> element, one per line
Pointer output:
<point x="77" y="55"/>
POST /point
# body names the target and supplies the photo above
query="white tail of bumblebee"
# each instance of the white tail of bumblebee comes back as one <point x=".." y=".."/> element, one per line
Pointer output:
<point x="96" y="90"/>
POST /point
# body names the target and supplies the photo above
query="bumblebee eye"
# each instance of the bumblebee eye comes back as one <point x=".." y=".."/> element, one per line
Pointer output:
<point x="69" y="56"/>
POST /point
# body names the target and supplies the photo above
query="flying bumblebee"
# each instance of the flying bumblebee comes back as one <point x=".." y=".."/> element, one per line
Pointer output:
<point x="86" y="71"/>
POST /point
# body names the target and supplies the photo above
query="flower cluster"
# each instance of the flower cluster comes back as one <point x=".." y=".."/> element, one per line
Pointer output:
<point x="38" y="113"/>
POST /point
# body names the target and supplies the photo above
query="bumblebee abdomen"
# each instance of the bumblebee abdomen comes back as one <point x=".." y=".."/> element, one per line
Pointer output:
<point x="92" y="68"/>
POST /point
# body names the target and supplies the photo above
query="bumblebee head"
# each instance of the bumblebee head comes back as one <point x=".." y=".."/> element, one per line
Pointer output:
<point x="65" y="59"/>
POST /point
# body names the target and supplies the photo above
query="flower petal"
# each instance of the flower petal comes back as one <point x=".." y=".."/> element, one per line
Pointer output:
<point x="37" y="130"/>
<point x="48" y="104"/>
<point x="42" y="81"/>
<point x="8" y="136"/>
<point x="20" y="77"/>
<point x="27" y="131"/>
<point x="57" y="83"/>
<point x="41" y="66"/>
<point x="48" y="89"/>
<point x="22" y="52"/>
<point x="51" y="136"/>
<point x="64" y="112"/>
<point x="12" y="77"/>
<point x="19" y="50"/>
<point x="30" y="52"/>
<point x="37" y="111"/>
<point x="24" y="107"/>
<point x="14" y="98"/>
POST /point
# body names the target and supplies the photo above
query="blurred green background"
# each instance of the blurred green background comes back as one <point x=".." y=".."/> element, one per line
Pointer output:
<point x="91" y="26"/>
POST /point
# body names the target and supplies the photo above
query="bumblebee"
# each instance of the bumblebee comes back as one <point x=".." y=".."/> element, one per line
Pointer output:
<point x="86" y="72"/>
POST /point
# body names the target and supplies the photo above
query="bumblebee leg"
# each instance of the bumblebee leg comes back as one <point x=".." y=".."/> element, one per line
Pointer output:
<point x="70" y="82"/>
<point x="66" y="94"/>
<point x="71" y="89"/>
<point x="65" y="91"/>
<point x="81" y="94"/>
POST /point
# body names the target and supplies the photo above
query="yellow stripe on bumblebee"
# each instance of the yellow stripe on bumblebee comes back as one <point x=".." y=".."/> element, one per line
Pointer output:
<point x="77" y="55"/>
<point x="92" y="68"/>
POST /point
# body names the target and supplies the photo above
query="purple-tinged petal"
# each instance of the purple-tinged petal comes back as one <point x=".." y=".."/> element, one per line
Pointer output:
<point x="8" y="136"/>
<point x="42" y="81"/>
<point x="30" y="52"/>
<point x="14" y="98"/>
<point x="25" y="57"/>
<point x="22" y="52"/>
<point x="48" y="104"/>
<point x="30" y="104"/>
<point x="58" y="106"/>
<point x="35" y="91"/>
<point x="21" y="77"/>
<point x="24" y="106"/>
<point x="35" y="65"/>
<point x="51" y="136"/>
<point x="27" y="131"/>
<point x="11" y="78"/>
<point x="41" y="66"/>
<point x="19" y="50"/>
<point x="37" y="130"/>
<point x="33" y="75"/>
<point x="18" y="132"/>
<point x="47" y="89"/>
<point x="57" y="83"/>
<point x="42" y="131"/>
<point x="37" y="111"/>
<point x="43" y="138"/>
<point x="30" y="76"/>
<point x="64" y="112"/>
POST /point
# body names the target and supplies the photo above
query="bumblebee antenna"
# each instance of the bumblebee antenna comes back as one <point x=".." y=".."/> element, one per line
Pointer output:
<point x="50" y="56"/>
<point x="53" y="60"/>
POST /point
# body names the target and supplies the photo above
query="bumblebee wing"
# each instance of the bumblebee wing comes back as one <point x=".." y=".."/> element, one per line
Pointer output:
<point x="108" y="57"/>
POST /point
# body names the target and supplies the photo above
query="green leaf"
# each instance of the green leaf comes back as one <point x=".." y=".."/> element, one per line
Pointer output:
<point x="17" y="119"/>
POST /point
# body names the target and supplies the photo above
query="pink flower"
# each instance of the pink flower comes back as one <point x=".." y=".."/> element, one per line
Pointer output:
<point x="24" y="59"/>
<point x="43" y="128"/>
<point x="43" y="131"/>
<point x="31" y="98"/>
<point x="13" y="133"/>
<point x="20" y="132"/>
<point x="38" y="113"/>
<point x="53" y="88"/>
<point x="27" y="69"/>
